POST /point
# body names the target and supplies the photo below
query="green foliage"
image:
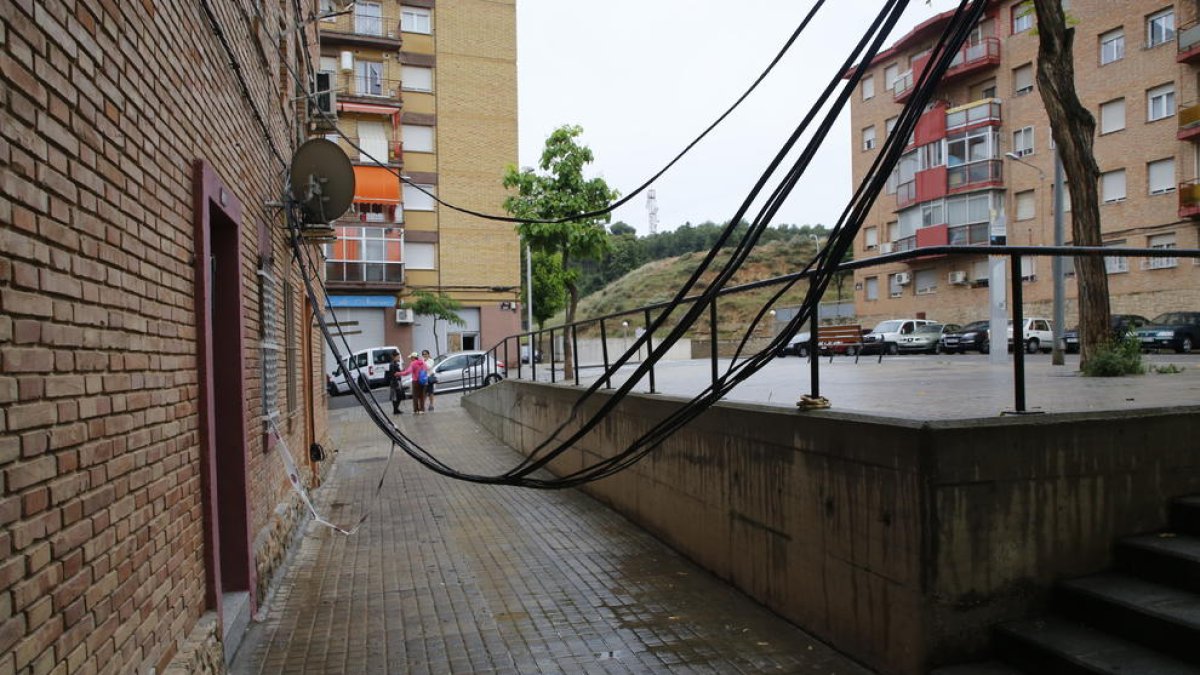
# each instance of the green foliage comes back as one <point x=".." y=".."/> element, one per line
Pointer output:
<point x="1168" y="369"/>
<point x="1113" y="359"/>
<point x="549" y="288"/>
<point x="440" y="306"/>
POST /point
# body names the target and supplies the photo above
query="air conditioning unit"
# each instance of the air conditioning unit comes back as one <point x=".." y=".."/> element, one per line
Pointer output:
<point x="903" y="278"/>
<point x="324" y="99"/>
<point x="957" y="277"/>
<point x="404" y="315"/>
<point x="885" y="247"/>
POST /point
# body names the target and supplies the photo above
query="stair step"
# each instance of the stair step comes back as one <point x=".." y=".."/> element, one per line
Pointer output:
<point x="1059" y="646"/>
<point x="1185" y="514"/>
<point x="1161" y="617"/>
<point x="987" y="668"/>
<point x="1165" y="558"/>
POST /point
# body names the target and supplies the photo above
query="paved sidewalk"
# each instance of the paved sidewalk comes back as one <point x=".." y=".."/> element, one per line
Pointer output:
<point x="451" y="577"/>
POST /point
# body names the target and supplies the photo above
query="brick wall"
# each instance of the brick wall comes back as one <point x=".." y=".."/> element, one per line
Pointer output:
<point x="104" y="108"/>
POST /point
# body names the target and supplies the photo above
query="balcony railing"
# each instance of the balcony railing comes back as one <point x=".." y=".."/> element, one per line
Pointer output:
<point x="903" y="83"/>
<point x="975" y="173"/>
<point x="1188" y="39"/>
<point x="904" y="244"/>
<point x="1189" y="121"/>
<point x="1189" y="198"/>
<point x="987" y="110"/>
<point x="347" y="271"/>
<point x="969" y="235"/>
<point x="968" y="59"/>
<point x="382" y="26"/>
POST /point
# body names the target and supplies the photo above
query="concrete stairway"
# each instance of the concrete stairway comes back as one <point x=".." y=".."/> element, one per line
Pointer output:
<point x="1142" y="618"/>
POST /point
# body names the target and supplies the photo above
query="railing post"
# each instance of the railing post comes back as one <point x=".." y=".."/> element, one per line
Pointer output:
<point x="604" y="354"/>
<point x="532" y="360"/>
<point x="1018" y="343"/>
<point x="506" y="361"/>
<point x="553" y="375"/>
<point x="712" y="329"/>
<point x="649" y="346"/>
<point x="575" y="350"/>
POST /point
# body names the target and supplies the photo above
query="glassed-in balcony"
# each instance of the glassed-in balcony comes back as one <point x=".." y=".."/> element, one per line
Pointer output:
<point x="975" y="175"/>
<point x="906" y="194"/>
<point x="975" y="234"/>
<point x="1188" y="39"/>
<point x="970" y="59"/>
<point x="357" y="272"/>
<point x="986" y="110"/>
<point x="1189" y="198"/>
<point x="1189" y="122"/>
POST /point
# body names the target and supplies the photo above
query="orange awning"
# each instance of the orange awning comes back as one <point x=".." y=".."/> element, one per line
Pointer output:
<point x="376" y="185"/>
<point x="368" y="108"/>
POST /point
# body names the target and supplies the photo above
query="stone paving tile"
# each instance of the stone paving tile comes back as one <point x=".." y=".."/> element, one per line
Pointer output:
<point x="453" y="577"/>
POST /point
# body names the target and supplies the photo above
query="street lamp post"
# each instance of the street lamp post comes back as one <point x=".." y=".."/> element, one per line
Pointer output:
<point x="1056" y="270"/>
<point x="625" y="335"/>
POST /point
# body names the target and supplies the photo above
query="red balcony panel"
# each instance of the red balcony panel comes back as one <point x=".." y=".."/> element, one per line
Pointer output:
<point x="931" y="183"/>
<point x="976" y="58"/>
<point x="934" y="235"/>
<point x="932" y="125"/>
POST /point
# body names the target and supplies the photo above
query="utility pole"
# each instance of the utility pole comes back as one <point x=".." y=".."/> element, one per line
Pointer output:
<point x="1056" y="264"/>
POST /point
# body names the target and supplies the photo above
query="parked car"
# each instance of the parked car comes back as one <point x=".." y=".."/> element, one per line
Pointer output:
<point x="463" y="370"/>
<point x="971" y="337"/>
<point x="926" y="339"/>
<point x="1122" y="325"/>
<point x="367" y="366"/>
<point x="1037" y="334"/>
<point x="1174" y="330"/>
<point x="886" y="335"/>
<point x="797" y="346"/>
<point x="537" y="354"/>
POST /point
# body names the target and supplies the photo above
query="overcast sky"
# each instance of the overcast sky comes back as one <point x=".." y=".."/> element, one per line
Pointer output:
<point x="644" y="77"/>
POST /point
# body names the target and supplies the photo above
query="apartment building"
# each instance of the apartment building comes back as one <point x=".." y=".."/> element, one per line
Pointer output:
<point x="426" y="90"/>
<point x="984" y="147"/>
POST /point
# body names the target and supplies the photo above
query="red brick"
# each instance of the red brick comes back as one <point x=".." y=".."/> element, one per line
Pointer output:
<point x="24" y="474"/>
<point x="26" y="360"/>
<point x="26" y="331"/>
<point x="35" y="501"/>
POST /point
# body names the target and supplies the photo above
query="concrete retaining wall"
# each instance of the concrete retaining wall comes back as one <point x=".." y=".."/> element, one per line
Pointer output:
<point x="900" y="543"/>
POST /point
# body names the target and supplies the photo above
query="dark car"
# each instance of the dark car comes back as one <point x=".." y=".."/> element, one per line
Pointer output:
<point x="1122" y="325"/>
<point x="1174" y="330"/>
<point x="973" y="337"/>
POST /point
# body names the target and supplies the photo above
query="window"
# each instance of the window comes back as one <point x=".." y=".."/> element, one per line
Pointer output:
<point x="416" y="78"/>
<point x="1023" y="142"/>
<point x="889" y="231"/>
<point x="1112" y="46"/>
<point x="417" y="138"/>
<point x="985" y="89"/>
<point x="368" y="18"/>
<point x="326" y="8"/>
<point x="1028" y="268"/>
<point x="420" y="256"/>
<point x="868" y="87"/>
<point x="895" y="289"/>
<point x="1026" y="207"/>
<point x="1160" y="241"/>
<point x="368" y="79"/>
<point x="373" y="139"/>
<point x="1066" y="196"/>
<point x="290" y="356"/>
<point x="1112" y="116"/>
<point x="268" y="312"/>
<point x="416" y="20"/>
<point x="1112" y="186"/>
<point x="1160" y="102"/>
<point x="890" y="75"/>
<point x="926" y="282"/>
<point x="868" y="138"/>
<point x="1160" y="27"/>
<point x="1022" y="17"/>
<point x="1161" y="176"/>
<point x="889" y="125"/>
<point x="870" y="238"/>
<point x="872" y="288"/>
<point x="416" y="200"/>
<point x="1023" y="79"/>
<point x="1116" y="264"/>
<point x="981" y="273"/>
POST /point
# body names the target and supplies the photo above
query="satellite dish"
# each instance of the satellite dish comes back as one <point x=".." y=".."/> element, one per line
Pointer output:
<point x="322" y="181"/>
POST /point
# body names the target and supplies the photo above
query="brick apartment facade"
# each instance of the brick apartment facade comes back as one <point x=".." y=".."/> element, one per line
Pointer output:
<point x="1136" y="70"/>
<point x="150" y="323"/>
<point x="427" y="89"/>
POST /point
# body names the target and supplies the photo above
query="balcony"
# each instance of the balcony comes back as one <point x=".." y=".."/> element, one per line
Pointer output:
<point x="1189" y="198"/>
<point x="979" y="113"/>
<point x="362" y="29"/>
<point x="359" y="273"/>
<point x="969" y="60"/>
<point x="1189" y="122"/>
<point x="975" y="234"/>
<point x="985" y="173"/>
<point x="1188" y="40"/>
<point x="906" y="194"/>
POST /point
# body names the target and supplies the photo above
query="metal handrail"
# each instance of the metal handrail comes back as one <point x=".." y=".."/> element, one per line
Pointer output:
<point x="1014" y="253"/>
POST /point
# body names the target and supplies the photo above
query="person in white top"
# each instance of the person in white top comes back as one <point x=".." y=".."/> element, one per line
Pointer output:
<point x="432" y="379"/>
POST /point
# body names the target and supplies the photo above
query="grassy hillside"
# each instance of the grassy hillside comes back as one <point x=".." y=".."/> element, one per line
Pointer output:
<point x="660" y="280"/>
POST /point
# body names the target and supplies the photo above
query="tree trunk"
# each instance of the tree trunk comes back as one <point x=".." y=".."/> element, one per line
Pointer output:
<point x="1073" y="128"/>
<point x="572" y="303"/>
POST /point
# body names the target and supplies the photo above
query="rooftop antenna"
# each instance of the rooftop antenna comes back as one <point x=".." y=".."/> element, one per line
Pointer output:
<point x="652" y="210"/>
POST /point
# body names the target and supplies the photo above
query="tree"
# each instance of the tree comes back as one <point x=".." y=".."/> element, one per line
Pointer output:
<point x="549" y="291"/>
<point x="560" y="191"/>
<point x="440" y="306"/>
<point x="1073" y="128"/>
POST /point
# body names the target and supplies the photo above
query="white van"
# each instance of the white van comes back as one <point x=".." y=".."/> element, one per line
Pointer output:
<point x="886" y="335"/>
<point x="367" y="366"/>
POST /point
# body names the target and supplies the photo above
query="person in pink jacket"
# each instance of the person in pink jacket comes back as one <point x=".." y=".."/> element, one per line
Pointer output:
<point x="416" y="368"/>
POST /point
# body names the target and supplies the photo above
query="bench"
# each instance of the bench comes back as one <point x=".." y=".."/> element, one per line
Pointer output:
<point x="840" y="340"/>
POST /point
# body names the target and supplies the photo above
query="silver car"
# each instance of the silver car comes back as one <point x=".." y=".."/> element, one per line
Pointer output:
<point x="464" y="370"/>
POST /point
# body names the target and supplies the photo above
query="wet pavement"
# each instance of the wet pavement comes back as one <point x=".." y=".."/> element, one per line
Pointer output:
<point x="453" y="577"/>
